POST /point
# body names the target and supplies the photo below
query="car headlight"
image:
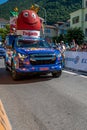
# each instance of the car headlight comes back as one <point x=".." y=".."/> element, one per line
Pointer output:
<point x="22" y="56"/>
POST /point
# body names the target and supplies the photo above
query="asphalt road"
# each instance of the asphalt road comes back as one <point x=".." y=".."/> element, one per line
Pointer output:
<point x="45" y="103"/>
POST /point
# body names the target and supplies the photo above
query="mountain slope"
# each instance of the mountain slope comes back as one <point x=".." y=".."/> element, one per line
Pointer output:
<point x="56" y="10"/>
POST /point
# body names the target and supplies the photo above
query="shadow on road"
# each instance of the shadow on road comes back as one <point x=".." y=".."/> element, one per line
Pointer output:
<point x="5" y="78"/>
<point x="79" y="72"/>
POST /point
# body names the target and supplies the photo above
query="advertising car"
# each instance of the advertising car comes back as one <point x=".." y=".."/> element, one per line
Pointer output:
<point x="31" y="56"/>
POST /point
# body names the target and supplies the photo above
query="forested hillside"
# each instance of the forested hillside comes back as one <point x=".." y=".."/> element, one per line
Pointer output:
<point x="56" y="10"/>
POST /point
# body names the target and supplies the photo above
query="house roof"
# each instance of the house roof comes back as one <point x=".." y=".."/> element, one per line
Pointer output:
<point x="2" y="20"/>
<point x="50" y="26"/>
<point x="60" y="23"/>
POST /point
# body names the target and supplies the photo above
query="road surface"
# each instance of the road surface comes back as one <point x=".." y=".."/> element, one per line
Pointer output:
<point x="45" y="103"/>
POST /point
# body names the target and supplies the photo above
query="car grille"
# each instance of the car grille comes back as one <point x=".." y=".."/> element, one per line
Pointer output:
<point x="42" y="59"/>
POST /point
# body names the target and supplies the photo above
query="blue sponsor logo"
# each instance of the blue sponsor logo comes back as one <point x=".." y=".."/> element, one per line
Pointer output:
<point x="84" y="61"/>
<point x="74" y="60"/>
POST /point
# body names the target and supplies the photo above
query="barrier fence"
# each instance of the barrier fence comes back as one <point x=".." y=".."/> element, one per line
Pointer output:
<point x="76" y="60"/>
<point x="4" y="122"/>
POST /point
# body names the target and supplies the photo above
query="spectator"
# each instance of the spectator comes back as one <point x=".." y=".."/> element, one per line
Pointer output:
<point x="84" y="47"/>
<point x="62" y="49"/>
<point x="67" y="47"/>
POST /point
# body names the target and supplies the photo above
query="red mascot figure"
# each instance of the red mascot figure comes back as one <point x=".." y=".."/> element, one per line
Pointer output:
<point x="28" y="20"/>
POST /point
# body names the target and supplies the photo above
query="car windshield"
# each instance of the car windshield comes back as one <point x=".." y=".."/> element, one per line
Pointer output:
<point x="53" y="45"/>
<point x="30" y="44"/>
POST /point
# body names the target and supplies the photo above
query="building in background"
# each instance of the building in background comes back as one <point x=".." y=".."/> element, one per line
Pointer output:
<point x="79" y="18"/>
<point x="50" y="31"/>
<point x="3" y="22"/>
<point x="62" y="27"/>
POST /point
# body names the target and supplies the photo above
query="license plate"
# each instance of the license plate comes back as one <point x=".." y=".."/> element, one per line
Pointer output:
<point x="44" y="69"/>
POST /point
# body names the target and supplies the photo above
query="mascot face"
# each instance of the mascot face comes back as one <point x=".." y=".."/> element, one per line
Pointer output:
<point x="28" y="20"/>
<point x="30" y="17"/>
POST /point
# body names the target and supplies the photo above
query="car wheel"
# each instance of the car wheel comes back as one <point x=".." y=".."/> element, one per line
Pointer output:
<point x="56" y="74"/>
<point x="6" y="65"/>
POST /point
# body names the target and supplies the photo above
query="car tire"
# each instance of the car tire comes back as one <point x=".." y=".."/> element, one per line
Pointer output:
<point x="56" y="74"/>
<point x="6" y="65"/>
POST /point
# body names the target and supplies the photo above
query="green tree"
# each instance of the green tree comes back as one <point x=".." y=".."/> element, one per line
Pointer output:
<point x="56" y="10"/>
<point x="59" y="38"/>
<point x="4" y="32"/>
<point x="75" y="33"/>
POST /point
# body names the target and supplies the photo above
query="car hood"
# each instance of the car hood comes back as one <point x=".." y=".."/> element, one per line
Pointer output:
<point x="36" y="50"/>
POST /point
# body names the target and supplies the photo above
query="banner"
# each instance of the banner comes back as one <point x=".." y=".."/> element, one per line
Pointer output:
<point x="29" y="33"/>
<point x="76" y="60"/>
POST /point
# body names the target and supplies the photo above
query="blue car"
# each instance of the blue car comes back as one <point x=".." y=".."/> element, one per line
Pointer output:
<point x="2" y="51"/>
<point x="53" y="45"/>
<point x="31" y="56"/>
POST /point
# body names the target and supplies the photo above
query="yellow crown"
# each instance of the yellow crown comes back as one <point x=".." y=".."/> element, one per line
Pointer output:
<point x="16" y="9"/>
<point x="34" y="8"/>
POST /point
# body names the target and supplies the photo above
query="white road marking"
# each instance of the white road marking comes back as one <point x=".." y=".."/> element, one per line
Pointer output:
<point x="73" y="73"/>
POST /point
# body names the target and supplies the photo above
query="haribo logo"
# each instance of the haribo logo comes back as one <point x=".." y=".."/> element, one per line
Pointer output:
<point x="74" y="60"/>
